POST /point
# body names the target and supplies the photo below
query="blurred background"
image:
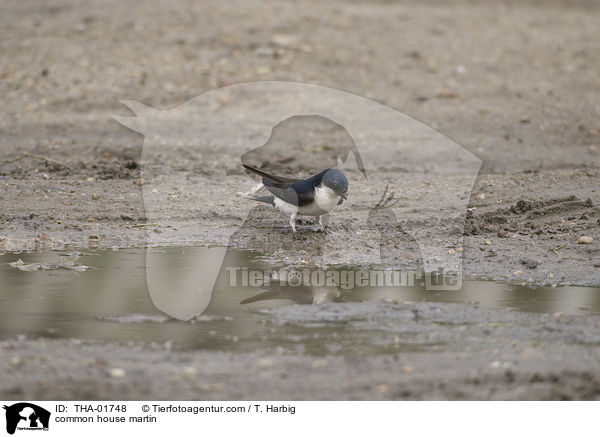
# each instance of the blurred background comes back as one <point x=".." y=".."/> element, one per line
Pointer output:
<point x="515" y="82"/>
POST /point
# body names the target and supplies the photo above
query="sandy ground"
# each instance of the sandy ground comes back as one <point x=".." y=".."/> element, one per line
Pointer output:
<point x="514" y="83"/>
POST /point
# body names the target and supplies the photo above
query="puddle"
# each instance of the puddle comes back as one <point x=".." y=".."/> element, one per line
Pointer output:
<point x="110" y="301"/>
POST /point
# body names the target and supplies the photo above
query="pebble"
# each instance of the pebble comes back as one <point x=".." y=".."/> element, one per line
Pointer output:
<point x="407" y="369"/>
<point x="264" y="363"/>
<point x="91" y="179"/>
<point x="502" y="234"/>
<point x="95" y="196"/>
<point x="530" y="263"/>
<point x="212" y="387"/>
<point x="488" y="242"/>
<point x="518" y="272"/>
<point x="459" y="249"/>
<point x="15" y="361"/>
<point x="189" y="371"/>
<point x="117" y="373"/>
<point x="284" y="40"/>
<point x="382" y="388"/>
<point x="448" y="94"/>
<point x="451" y="251"/>
<point x="319" y="364"/>
<point x="585" y="240"/>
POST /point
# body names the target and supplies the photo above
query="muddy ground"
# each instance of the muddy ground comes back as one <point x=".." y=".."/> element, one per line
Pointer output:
<point x="515" y="83"/>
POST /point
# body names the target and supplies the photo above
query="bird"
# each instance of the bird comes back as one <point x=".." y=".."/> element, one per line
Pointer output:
<point x="315" y="196"/>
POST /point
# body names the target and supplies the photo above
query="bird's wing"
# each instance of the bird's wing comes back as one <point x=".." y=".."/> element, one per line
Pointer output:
<point x="297" y="193"/>
<point x="273" y="178"/>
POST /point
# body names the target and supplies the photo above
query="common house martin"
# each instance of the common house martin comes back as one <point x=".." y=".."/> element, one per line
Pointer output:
<point x="315" y="196"/>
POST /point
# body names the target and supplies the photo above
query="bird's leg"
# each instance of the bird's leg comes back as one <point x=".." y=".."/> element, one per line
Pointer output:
<point x="320" y="222"/>
<point x="293" y="222"/>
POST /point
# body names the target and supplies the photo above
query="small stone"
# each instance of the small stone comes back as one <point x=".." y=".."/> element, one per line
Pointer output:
<point x="138" y="182"/>
<point x="407" y="369"/>
<point x="495" y="364"/>
<point x="480" y="196"/>
<point x="550" y="275"/>
<point x="525" y="120"/>
<point x="189" y="371"/>
<point x="518" y="272"/>
<point x="502" y="234"/>
<point x="15" y="361"/>
<point x="91" y="179"/>
<point x="93" y="237"/>
<point x="585" y="240"/>
<point x="284" y="40"/>
<point x="382" y="388"/>
<point x="459" y="249"/>
<point x="481" y="247"/>
<point x="557" y="314"/>
<point x="95" y="196"/>
<point x="448" y="94"/>
<point x="212" y="387"/>
<point x="451" y="251"/>
<point x="320" y="363"/>
<point x="529" y="263"/>
<point x="117" y="373"/>
<point x="264" y="363"/>
<point x="488" y="242"/>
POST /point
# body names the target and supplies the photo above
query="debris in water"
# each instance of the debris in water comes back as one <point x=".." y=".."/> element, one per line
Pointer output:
<point x="134" y="318"/>
<point x="68" y="265"/>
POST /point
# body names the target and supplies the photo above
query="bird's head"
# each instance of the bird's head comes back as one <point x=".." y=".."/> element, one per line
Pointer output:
<point x="336" y="181"/>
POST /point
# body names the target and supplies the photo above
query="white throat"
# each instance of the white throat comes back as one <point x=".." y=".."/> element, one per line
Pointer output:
<point x="326" y="198"/>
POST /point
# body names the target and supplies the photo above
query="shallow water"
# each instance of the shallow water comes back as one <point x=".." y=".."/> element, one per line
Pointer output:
<point x="54" y="295"/>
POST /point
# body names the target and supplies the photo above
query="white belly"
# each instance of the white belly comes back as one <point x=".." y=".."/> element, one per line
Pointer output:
<point x="325" y="201"/>
<point x="288" y="208"/>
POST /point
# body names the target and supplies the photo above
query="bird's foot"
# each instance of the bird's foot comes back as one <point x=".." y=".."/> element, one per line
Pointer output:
<point x="320" y="227"/>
